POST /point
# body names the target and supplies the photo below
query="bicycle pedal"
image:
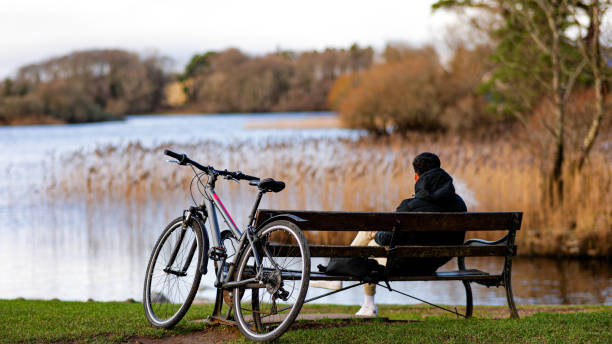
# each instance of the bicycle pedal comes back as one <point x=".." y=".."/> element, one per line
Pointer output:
<point x="217" y="253"/>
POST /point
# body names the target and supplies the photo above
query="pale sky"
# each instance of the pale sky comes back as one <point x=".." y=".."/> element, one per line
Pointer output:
<point x="34" y="30"/>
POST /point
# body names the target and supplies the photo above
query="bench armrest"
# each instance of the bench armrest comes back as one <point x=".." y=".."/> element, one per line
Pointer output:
<point x="480" y="242"/>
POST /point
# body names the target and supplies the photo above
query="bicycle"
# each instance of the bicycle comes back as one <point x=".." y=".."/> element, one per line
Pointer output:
<point x="264" y="280"/>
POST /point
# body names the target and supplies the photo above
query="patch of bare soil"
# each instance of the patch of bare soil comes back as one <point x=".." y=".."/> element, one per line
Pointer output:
<point x="209" y="335"/>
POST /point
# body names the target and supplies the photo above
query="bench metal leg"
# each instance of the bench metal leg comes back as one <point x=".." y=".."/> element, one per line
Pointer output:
<point x="469" y="305"/>
<point x="509" y="297"/>
<point x="217" y="316"/>
<point x="218" y="303"/>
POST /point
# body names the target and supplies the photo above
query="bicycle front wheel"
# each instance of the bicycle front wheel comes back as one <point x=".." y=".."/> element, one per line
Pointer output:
<point x="266" y="311"/>
<point x="173" y="274"/>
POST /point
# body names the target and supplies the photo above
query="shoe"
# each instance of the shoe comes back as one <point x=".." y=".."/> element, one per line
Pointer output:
<point x="367" y="311"/>
<point x="332" y="285"/>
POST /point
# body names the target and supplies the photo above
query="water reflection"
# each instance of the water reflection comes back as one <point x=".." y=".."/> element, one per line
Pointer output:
<point x="535" y="281"/>
<point x="82" y="250"/>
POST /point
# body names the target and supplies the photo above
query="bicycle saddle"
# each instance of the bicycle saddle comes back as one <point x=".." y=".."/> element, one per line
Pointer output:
<point x="269" y="184"/>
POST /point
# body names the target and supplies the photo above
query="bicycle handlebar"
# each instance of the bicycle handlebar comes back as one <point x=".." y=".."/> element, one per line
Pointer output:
<point x="172" y="154"/>
<point x="183" y="159"/>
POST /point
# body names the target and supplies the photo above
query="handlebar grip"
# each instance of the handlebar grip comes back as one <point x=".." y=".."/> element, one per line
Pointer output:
<point x="246" y="177"/>
<point x="182" y="158"/>
<point x="173" y="154"/>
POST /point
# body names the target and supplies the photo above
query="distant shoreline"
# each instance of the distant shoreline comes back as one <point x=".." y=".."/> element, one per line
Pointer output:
<point x="318" y="122"/>
<point x="49" y="120"/>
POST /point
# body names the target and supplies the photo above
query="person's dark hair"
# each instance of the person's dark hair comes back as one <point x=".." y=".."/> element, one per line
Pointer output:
<point x="425" y="162"/>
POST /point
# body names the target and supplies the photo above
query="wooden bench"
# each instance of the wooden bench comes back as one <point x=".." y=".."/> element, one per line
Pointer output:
<point x="509" y="222"/>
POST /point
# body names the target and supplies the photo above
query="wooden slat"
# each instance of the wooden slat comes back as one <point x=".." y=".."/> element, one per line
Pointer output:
<point x="439" y="276"/>
<point x="400" y="251"/>
<point x="385" y="221"/>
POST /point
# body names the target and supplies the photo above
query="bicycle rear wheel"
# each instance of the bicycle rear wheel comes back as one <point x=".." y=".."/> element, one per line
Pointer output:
<point x="266" y="311"/>
<point x="173" y="275"/>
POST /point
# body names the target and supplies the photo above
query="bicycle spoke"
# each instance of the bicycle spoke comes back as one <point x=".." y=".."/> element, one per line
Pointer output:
<point x="169" y="289"/>
<point x="271" y="309"/>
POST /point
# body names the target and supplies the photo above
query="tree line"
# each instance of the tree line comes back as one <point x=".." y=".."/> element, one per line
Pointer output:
<point x="84" y="86"/>
<point x="96" y="85"/>
<point x="231" y="81"/>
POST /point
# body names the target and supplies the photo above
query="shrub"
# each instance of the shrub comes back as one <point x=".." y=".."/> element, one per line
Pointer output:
<point x="413" y="90"/>
<point x="395" y="96"/>
<point x="15" y="108"/>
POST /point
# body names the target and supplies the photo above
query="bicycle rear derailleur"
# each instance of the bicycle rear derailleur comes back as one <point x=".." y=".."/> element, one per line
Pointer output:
<point x="274" y="285"/>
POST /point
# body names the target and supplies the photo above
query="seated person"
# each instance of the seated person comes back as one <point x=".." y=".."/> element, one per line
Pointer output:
<point x="434" y="192"/>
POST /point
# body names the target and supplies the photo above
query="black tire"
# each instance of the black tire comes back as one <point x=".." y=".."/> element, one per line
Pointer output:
<point x="168" y="296"/>
<point x="258" y="316"/>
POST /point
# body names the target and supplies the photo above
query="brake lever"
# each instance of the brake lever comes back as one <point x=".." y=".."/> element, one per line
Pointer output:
<point x="174" y="161"/>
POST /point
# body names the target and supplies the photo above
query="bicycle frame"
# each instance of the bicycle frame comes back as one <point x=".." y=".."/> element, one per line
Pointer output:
<point x="212" y="203"/>
<point x="209" y="206"/>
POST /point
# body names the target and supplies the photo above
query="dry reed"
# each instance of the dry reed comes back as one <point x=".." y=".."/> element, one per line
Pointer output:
<point x="329" y="174"/>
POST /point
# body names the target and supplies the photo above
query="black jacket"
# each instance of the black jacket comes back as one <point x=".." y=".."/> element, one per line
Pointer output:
<point x="434" y="192"/>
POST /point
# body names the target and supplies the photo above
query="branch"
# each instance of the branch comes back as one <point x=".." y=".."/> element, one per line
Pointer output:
<point x="552" y="25"/>
<point x="450" y="4"/>
<point x="548" y="128"/>
<point x="589" y="139"/>
<point x="580" y="40"/>
<point x="572" y="79"/>
<point x="520" y="67"/>
<point x="521" y="118"/>
<point x="531" y="29"/>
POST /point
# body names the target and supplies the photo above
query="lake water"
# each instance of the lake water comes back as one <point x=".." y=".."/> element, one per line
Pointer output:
<point x="91" y="245"/>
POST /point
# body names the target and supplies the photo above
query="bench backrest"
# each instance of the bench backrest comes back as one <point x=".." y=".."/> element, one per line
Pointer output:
<point x="387" y="221"/>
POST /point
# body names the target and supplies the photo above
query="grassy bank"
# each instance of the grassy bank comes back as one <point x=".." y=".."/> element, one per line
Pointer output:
<point x="28" y="321"/>
<point x="33" y="321"/>
<point x="539" y="328"/>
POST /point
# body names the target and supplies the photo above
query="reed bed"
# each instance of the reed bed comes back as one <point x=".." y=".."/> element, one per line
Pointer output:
<point x="367" y="175"/>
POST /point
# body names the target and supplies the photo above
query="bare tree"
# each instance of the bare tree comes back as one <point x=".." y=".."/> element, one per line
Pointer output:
<point x="590" y="48"/>
<point x="560" y="60"/>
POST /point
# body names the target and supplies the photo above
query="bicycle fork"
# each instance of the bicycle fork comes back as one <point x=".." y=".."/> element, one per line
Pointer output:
<point x="194" y="245"/>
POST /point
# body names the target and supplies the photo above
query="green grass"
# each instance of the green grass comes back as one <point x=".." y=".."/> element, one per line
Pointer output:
<point x="34" y="321"/>
<point x="539" y="328"/>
